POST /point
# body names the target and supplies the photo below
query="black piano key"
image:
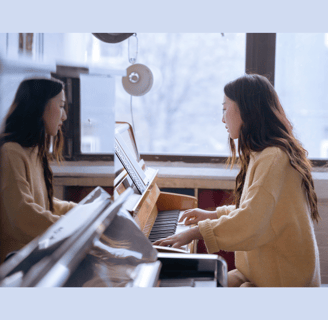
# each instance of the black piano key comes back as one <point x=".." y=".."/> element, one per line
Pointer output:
<point x="168" y="213"/>
<point x="171" y="229"/>
<point x="164" y="222"/>
<point x="165" y="225"/>
<point x="168" y="218"/>
<point x="162" y="235"/>
<point x="163" y="231"/>
<point x="170" y="221"/>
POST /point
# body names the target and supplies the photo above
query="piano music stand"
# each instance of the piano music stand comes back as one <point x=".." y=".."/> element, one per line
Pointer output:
<point x="144" y="206"/>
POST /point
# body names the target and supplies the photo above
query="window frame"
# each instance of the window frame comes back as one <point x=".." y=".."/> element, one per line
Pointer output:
<point x="260" y="58"/>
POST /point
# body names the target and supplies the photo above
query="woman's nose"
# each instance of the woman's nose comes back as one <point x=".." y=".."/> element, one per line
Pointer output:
<point x="223" y="120"/>
<point x="64" y="115"/>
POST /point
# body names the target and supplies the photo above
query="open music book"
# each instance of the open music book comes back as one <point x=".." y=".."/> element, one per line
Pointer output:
<point x="129" y="162"/>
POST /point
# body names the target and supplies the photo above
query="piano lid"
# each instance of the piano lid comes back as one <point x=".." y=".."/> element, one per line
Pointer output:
<point x="63" y="229"/>
<point x="109" y="250"/>
<point x="72" y="221"/>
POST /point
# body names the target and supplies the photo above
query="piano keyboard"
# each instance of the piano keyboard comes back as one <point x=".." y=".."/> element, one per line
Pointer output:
<point x="166" y="224"/>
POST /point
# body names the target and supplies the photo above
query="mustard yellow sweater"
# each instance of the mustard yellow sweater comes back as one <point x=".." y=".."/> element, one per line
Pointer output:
<point x="271" y="232"/>
<point x="24" y="205"/>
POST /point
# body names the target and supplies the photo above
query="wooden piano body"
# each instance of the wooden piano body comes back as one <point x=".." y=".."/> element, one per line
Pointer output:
<point x="147" y="200"/>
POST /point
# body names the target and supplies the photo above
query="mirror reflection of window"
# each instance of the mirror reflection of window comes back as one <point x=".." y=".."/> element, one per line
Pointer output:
<point x="97" y="114"/>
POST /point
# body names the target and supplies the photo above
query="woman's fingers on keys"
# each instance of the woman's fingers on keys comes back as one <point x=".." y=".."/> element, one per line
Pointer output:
<point x="165" y="243"/>
<point x="157" y="242"/>
<point x="190" y="220"/>
<point x="183" y="216"/>
<point x="186" y="214"/>
<point x="161" y="242"/>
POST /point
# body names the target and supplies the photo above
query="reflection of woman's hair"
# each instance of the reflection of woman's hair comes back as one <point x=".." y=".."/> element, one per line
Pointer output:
<point x="264" y="124"/>
<point x="24" y="123"/>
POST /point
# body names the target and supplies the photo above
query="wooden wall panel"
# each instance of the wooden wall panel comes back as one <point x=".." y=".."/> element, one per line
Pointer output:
<point x="209" y="199"/>
<point x="77" y="193"/>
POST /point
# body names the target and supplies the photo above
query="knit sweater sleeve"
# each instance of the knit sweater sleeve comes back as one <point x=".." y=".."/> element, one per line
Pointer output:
<point x="249" y="226"/>
<point x="22" y="211"/>
<point x="62" y="207"/>
<point x="224" y="210"/>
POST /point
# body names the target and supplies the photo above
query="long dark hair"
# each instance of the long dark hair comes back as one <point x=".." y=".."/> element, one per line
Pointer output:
<point x="24" y="123"/>
<point x="264" y="124"/>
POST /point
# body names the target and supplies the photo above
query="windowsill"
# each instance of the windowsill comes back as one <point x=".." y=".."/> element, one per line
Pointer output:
<point x="83" y="169"/>
<point x="194" y="176"/>
<point x="83" y="173"/>
<point x="170" y="175"/>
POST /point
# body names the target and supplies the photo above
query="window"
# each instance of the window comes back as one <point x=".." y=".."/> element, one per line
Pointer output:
<point x="97" y="114"/>
<point x="180" y="116"/>
<point x="301" y="82"/>
<point x="182" y="112"/>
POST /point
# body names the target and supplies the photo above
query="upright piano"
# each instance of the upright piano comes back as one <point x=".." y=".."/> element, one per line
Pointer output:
<point x="156" y="212"/>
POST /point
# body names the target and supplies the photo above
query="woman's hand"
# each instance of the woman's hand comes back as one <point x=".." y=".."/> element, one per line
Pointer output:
<point x="193" y="216"/>
<point x="180" y="239"/>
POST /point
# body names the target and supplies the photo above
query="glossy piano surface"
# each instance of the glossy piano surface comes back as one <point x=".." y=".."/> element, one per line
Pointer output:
<point x="192" y="270"/>
<point x="106" y="250"/>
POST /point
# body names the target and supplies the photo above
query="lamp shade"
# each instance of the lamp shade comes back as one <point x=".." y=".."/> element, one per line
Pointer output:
<point x="138" y="81"/>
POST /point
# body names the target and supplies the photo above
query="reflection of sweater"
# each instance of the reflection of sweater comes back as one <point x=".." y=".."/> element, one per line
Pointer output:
<point x="24" y="205"/>
<point x="271" y="232"/>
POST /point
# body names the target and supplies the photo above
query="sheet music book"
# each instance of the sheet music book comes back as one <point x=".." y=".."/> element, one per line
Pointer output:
<point x="130" y="164"/>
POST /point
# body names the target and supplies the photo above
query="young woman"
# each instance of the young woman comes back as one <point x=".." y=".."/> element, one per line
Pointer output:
<point x="270" y="227"/>
<point x="32" y="124"/>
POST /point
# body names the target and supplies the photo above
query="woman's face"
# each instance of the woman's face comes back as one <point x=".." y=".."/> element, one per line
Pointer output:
<point x="54" y="114"/>
<point x="231" y="117"/>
